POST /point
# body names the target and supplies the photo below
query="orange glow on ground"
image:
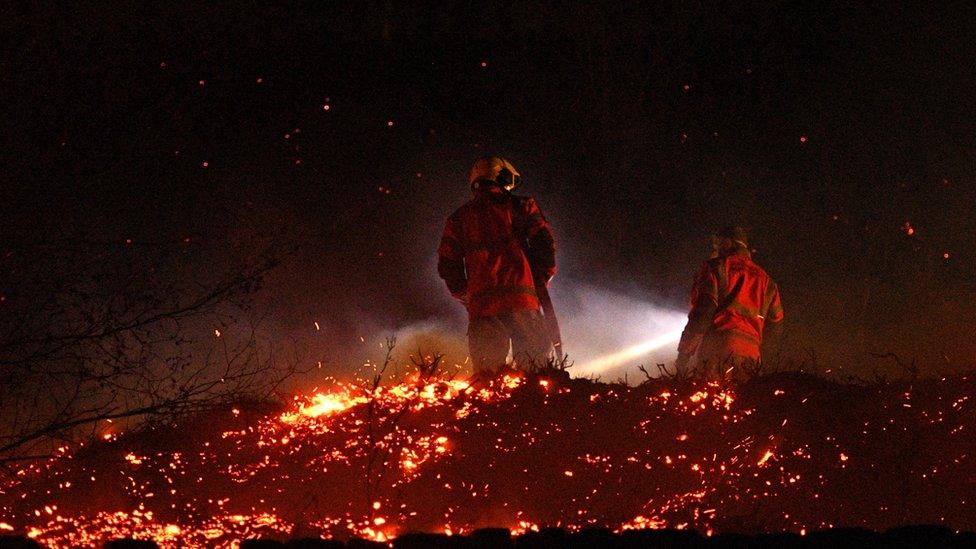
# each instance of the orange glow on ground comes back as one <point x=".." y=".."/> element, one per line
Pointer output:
<point x="524" y="452"/>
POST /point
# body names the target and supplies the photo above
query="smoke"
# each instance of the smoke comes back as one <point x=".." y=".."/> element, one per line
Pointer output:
<point x="605" y="334"/>
<point x="609" y="334"/>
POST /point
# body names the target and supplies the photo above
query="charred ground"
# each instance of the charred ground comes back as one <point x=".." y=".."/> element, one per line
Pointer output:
<point x="786" y="452"/>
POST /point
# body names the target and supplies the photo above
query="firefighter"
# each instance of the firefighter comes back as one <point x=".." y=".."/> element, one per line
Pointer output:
<point x="732" y="302"/>
<point x="494" y="250"/>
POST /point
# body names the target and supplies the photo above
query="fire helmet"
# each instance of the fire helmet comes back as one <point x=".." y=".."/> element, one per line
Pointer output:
<point x="738" y="235"/>
<point x="494" y="171"/>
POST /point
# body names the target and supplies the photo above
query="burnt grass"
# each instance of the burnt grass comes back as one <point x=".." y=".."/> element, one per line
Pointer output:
<point x="780" y="455"/>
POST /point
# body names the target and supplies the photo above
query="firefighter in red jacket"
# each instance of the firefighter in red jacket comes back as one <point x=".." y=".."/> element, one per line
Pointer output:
<point x="732" y="301"/>
<point x="494" y="251"/>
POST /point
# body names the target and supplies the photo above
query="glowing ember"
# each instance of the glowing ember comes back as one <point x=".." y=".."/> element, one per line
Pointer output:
<point x="522" y="453"/>
<point x="330" y="404"/>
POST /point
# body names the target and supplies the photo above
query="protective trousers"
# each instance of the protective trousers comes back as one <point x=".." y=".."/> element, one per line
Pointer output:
<point x="718" y="360"/>
<point x="489" y="338"/>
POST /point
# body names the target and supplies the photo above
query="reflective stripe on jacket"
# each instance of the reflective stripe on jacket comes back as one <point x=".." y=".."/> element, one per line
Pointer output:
<point x="485" y="253"/>
<point x="731" y="302"/>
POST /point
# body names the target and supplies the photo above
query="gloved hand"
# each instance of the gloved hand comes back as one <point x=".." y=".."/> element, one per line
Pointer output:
<point x="544" y="276"/>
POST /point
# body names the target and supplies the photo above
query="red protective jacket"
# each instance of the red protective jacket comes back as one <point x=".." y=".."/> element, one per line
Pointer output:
<point x="731" y="302"/>
<point x="490" y="249"/>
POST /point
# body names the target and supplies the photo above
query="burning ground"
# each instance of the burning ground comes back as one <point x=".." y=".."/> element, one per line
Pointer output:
<point x="785" y="452"/>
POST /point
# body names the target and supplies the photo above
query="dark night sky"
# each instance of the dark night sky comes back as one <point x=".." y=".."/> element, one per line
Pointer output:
<point x="824" y="129"/>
